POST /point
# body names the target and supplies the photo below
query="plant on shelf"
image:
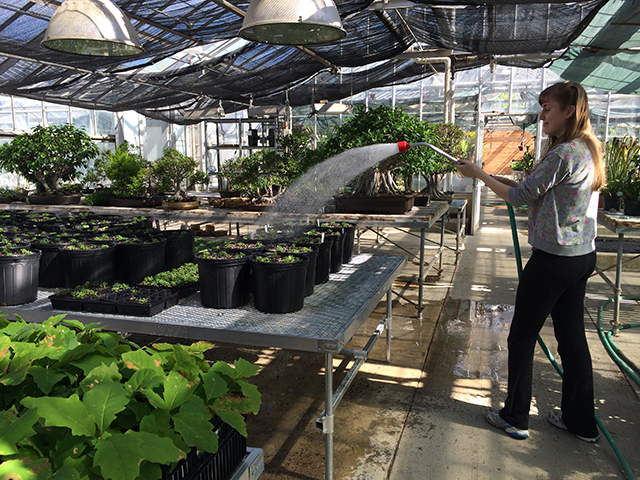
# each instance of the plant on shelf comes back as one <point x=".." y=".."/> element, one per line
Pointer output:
<point x="177" y="173"/>
<point x="128" y="172"/>
<point x="182" y="276"/>
<point x="49" y="156"/>
<point x="266" y="174"/>
<point x="12" y="194"/>
<point x="78" y="402"/>
<point x="525" y="164"/>
<point x="620" y="157"/>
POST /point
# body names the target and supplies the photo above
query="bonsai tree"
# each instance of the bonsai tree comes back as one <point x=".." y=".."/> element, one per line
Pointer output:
<point x="388" y="125"/>
<point x="49" y="156"/>
<point x="177" y="173"/>
<point x="266" y="174"/>
<point x="128" y="172"/>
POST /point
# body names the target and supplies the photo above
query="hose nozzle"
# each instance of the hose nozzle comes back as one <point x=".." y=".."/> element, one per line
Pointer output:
<point x="403" y="146"/>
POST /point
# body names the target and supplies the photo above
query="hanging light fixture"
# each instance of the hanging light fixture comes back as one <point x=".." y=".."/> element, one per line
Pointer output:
<point x="292" y="22"/>
<point x="91" y="27"/>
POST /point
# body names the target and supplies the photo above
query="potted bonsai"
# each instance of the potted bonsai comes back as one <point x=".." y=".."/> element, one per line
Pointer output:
<point x="47" y="157"/>
<point x="82" y="403"/>
<point x="177" y="173"/>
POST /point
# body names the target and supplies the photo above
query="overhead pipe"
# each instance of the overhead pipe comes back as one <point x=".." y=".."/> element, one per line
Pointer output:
<point x="449" y="104"/>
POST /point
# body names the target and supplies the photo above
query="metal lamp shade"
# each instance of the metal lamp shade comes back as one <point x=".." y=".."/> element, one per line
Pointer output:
<point x="292" y="22"/>
<point x="91" y="27"/>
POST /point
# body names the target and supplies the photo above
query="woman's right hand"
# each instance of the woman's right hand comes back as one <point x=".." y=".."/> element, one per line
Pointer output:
<point x="469" y="169"/>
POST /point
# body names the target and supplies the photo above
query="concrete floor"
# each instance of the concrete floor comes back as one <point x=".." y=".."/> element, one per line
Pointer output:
<point x="421" y="417"/>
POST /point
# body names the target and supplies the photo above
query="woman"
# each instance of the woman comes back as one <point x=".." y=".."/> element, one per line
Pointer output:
<point x="563" y="201"/>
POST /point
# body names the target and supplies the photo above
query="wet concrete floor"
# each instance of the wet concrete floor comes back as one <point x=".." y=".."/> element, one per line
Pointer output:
<point x="421" y="416"/>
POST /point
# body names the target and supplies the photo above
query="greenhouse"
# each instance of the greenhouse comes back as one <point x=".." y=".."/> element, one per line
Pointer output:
<point x="319" y="239"/>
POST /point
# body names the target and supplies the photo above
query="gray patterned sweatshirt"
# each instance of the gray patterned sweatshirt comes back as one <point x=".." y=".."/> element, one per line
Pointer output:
<point x="562" y="207"/>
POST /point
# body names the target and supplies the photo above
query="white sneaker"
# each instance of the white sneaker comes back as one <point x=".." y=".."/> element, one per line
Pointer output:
<point x="555" y="418"/>
<point x="492" y="416"/>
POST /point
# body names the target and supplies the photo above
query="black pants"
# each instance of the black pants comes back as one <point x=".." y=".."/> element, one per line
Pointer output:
<point x="554" y="285"/>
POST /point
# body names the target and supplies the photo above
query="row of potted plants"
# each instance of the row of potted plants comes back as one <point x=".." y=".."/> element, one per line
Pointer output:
<point x="54" y="158"/>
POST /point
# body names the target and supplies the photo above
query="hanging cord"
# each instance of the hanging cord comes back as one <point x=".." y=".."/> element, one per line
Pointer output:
<point x="543" y="346"/>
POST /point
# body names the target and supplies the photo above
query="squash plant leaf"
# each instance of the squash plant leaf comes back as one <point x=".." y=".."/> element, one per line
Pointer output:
<point x="63" y="412"/>
<point x="245" y="369"/>
<point x="139" y="359"/>
<point x="199" y="347"/>
<point x="224" y="368"/>
<point x="66" y="473"/>
<point x="144" y="378"/>
<point x="185" y="363"/>
<point x="25" y="469"/>
<point x="118" y="457"/>
<point x="17" y="370"/>
<point x="251" y="391"/>
<point x="232" y="418"/>
<point x="13" y="430"/>
<point x="157" y="449"/>
<point x="177" y="390"/>
<point x="104" y="401"/>
<point x="196" y="430"/>
<point x="45" y="378"/>
<point x="214" y="385"/>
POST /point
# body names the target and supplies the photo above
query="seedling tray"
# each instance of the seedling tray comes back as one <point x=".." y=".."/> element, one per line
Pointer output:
<point x="183" y="292"/>
<point x="127" y="302"/>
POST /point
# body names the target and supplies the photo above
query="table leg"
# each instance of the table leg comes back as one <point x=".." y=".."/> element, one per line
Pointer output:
<point x="421" y="274"/>
<point x="388" y="326"/>
<point x="445" y="217"/>
<point x="327" y="424"/>
<point x="618" y="290"/>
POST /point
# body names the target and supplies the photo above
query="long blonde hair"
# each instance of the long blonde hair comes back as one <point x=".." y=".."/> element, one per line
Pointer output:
<point x="578" y="125"/>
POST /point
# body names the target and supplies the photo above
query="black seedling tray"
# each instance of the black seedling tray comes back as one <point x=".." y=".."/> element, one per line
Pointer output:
<point x="126" y="302"/>
<point x="183" y="292"/>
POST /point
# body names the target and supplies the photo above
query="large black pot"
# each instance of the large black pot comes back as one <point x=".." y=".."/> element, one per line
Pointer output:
<point x="179" y="249"/>
<point x="278" y="287"/>
<point x="51" y="270"/>
<point x="95" y="265"/>
<point x="224" y="283"/>
<point x="19" y="278"/>
<point x="135" y="261"/>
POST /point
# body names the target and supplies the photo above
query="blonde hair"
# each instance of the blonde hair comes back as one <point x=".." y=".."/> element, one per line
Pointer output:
<point x="578" y="125"/>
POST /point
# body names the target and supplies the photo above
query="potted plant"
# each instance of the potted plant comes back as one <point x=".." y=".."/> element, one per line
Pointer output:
<point x="278" y="282"/>
<point x="88" y="262"/>
<point x="311" y="252"/>
<point x="225" y="278"/>
<point x="183" y="280"/>
<point x="78" y="402"/>
<point x="139" y="257"/>
<point x="19" y="273"/>
<point x="630" y="189"/>
<point x="47" y="157"/>
<point x="619" y="157"/>
<point x="9" y="195"/>
<point x="524" y="166"/>
<point x="177" y="173"/>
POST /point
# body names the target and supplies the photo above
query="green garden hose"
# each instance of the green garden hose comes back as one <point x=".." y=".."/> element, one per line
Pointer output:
<point x="543" y="346"/>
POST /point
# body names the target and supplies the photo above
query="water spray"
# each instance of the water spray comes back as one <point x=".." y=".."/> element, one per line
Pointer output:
<point x="404" y="146"/>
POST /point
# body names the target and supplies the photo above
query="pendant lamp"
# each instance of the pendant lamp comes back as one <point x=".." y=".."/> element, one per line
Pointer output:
<point x="91" y="27"/>
<point x="292" y="22"/>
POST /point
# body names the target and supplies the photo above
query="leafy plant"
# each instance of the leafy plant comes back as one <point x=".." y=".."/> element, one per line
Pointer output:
<point x="275" y="258"/>
<point x="78" y="402"/>
<point x="128" y="172"/>
<point x="13" y="194"/>
<point x="186" y="274"/>
<point x="525" y="164"/>
<point x="48" y="156"/>
<point x="620" y="157"/>
<point x="176" y="172"/>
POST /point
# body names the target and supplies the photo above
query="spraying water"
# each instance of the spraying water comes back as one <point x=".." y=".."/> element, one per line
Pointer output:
<point x="315" y="188"/>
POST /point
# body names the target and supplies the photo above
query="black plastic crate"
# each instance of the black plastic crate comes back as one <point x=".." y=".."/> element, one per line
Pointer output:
<point x="232" y="448"/>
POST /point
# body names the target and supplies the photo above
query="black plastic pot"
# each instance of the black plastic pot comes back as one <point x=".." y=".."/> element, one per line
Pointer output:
<point x="612" y="202"/>
<point x="135" y="261"/>
<point x="224" y="283"/>
<point x="51" y="271"/>
<point x="631" y="207"/>
<point x="337" y="249"/>
<point x="323" y="261"/>
<point x="180" y="248"/>
<point x="349" y="241"/>
<point x="19" y="278"/>
<point x="310" y="279"/>
<point x="278" y="287"/>
<point x="95" y="265"/>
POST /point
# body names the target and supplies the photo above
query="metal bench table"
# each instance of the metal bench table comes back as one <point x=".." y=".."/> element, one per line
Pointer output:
<point x="329" y="319"/>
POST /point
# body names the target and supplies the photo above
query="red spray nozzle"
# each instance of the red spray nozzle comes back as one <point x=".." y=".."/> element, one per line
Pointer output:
<point x="403" y="146"/>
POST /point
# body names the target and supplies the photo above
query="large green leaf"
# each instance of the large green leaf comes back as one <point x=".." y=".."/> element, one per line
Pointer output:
<point x="224" y="368"/>
<point x="214" y="385"/>
<point x="13" y="430"/>
<point x="25" y="469"/>
<point x="157" y="421"/>
<point x="199" y="347"/>
<point x="118" y="457"/>
<point x="234" y="419"/>
<point x="185" y="363"/>
<point x="108" y="372"/>
<point x="196" y="429"/>
<point x="155" y="400"/>
<point x="63" y="412"/>
<point x="236" y="403"/>
<point x="89" y="362"/>
<point x="245" y="369"/>
<point x="104" y="402"/>
<point x="145" y="378"/>
<point x="157" y="449"/>
<point x="16" y="371"/>
<point x="177" y="390"/>
<point x="66" y="473"/>
<point x="139" y="359"/>
<point x="45" y="377"/>
<point x="251" y="391"/>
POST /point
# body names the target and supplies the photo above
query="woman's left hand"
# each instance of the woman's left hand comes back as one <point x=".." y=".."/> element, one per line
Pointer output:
<point x="469" y="169"/>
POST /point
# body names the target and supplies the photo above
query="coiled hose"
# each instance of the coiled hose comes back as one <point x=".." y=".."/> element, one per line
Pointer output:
<point x="543" y="346"/>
